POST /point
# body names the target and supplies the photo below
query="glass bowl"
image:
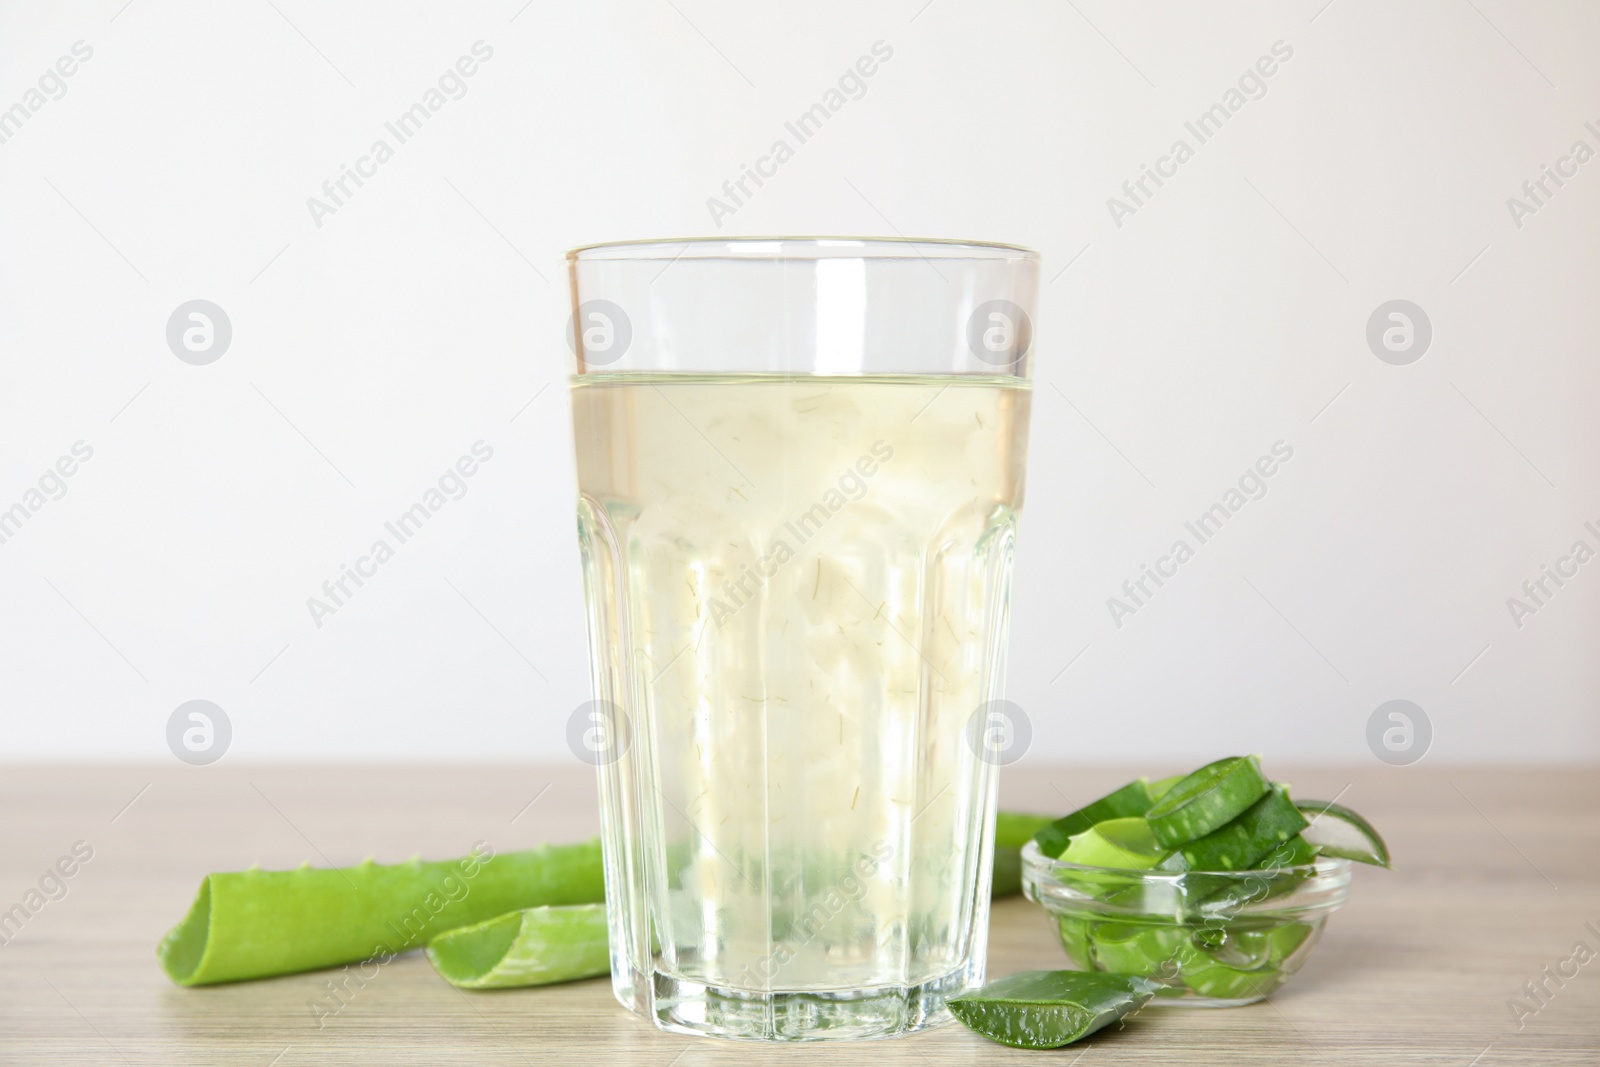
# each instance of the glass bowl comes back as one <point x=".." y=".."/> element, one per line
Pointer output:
<point x="1212" y="939"/>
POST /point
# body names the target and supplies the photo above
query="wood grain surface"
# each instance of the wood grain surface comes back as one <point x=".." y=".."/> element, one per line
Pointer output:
<point x="1498" y="873"/>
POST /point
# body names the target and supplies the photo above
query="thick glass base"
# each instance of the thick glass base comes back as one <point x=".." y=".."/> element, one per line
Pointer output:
<point x="746" y="1015"/>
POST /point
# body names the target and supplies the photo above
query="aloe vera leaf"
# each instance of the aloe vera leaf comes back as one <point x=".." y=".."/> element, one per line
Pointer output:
<point x="1012" y="830"/>
<point x="1283" y="869"/>
<point x="1239" y="844"/>
<point x="1266" y="951"/>
<point x="1131" y="799"/>
<point x="1048" y="1009"/>
<point x="1162" y="786"/>
<point x="255" y="923"/>
<point x="1295" y="852"/>
<point x="534" y="946"/>
<point x="1122" y="844"/>
<point x="1287" y="939"/>
<point x="1075" y="940"/>
<point x="1209" y="978"/>
<point x="1238" y="945"/>
<point x="1142" y="949"/>
<point x="1338" y="831"/>
<point x="1206" y="799"/>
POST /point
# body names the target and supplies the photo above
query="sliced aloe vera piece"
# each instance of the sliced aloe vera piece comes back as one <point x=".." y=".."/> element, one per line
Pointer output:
<point x="1238" y="845"/>
<point x="1131" y="799"/>
<point x="1286" y="941"/>
<point x="1227" y="895"/>
<point x="255" y="923"/>
<point x="1146" y="950"/>
<point x="1338" y="831"/>
<point x="1209" y="978"/>
<point x="1295" y="852"/>
<point x="1075" y="939"/>
<point x="535" y="946"/>
<point x="1048" y="1009"/>
<point x="1206" y="799"/>
<point x="1161" y="787"/>
<point x="1252" y="948"/>
<point x="1012" y="830"/>
<point x="1125" y="844"/>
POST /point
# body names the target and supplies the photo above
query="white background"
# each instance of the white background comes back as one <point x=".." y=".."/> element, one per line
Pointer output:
<point x="1228" y="313"/>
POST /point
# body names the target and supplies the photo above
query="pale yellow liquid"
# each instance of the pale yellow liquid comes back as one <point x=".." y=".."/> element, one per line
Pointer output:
<point x="797" y="591"/>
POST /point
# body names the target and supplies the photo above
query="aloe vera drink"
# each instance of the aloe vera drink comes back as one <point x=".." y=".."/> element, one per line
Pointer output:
<point x="800" y="467"/>
<point x="809" y="577"/>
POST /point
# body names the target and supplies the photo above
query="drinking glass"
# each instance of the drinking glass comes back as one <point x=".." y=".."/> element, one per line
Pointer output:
<point x="800" y="467"/>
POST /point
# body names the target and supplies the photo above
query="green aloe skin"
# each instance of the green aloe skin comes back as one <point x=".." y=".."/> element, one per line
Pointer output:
<point x="534" y="946"/>
<point x="1335" y="830"/>
<point x="1243" y="843"/>
<point x="255" y="923"/>
<point x="1048" y="1009"/>
<point x="1207" y="799"/>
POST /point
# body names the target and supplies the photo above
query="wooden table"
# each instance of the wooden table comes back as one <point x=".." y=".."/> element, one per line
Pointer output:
<point x="1499" y="871"/>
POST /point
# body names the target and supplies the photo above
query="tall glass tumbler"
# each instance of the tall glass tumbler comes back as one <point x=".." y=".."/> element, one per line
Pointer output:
<point x="800" y="467"/>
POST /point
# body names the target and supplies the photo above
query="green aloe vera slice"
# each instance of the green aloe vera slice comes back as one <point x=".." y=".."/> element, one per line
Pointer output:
<point x="1012" y="830"/>
<point x="534" y="946"/>
<point x="1338" y="831"/>
<point x="1295" y="852"/>
<point x="1142" y="949"/>
<point x="1163" y="786"/>
<point x="1286" y="940"/>
<point x="1125" y="844"/>
<point x="1206" y="799"/>
<point x="255" y="923"/>
<point x="1075" y="940"/>
<point x="1279" y="864"/>
<point x="1048" y="1009"/>
<point x="1209" y="978"/>
<point x="1131" y="799"/>
<point x="1238" y="845"/>
<point x="1245" y="947"/>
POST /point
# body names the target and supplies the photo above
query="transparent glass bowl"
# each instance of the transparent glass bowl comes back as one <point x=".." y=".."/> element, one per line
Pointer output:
<point x="1212" y="939"/>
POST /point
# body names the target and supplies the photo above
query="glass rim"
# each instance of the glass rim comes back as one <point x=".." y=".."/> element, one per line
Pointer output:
<point x="750" y="249"/>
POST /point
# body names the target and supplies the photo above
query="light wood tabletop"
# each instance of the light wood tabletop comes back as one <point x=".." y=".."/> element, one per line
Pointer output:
<point x="1497" y="878"/>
